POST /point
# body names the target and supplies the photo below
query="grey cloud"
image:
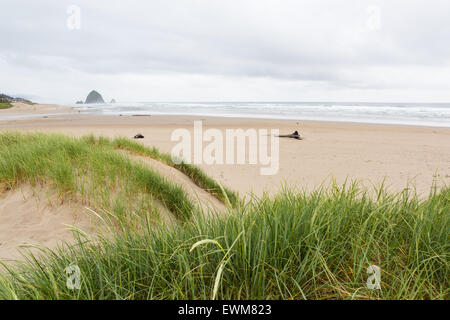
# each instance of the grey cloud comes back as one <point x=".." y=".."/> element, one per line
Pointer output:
<point x="319" y="40"/>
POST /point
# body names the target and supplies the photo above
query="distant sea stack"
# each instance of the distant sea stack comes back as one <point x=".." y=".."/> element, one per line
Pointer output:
<point x="94" y="97"/>
<point x="113" y="101"/>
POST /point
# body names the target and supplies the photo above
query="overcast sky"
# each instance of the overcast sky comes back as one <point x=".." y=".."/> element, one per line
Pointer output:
<point x="227" y="50"/>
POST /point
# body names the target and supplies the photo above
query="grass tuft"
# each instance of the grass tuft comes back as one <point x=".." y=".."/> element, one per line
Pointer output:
<point x="98" y="175"/>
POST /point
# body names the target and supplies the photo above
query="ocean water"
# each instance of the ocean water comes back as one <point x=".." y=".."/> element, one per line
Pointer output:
<point x="423" y="114"/>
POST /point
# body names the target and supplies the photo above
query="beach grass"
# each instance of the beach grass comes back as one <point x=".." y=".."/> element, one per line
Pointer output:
<point x="98" y="176"/>
<point x="295" y="245"/>
<point x="5" y="105"/>
<point x="197" y="176"/>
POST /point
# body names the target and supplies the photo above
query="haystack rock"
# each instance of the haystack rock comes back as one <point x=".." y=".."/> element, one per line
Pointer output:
<point x="94" y="97"/>
<point x="113" y="101"/>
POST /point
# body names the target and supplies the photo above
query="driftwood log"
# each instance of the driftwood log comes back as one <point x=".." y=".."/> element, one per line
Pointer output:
<point x="294" y="135"/>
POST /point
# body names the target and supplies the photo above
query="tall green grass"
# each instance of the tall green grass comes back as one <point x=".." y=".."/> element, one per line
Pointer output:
<point x="98" y="176"/>
<point x="197" y="176"/>
<point x="194" y="173"/>
<point x="293" y="246"/>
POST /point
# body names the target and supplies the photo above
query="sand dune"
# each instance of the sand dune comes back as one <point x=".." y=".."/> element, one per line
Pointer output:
<point x="37" y="216"/>
<point x="205" y="200"/>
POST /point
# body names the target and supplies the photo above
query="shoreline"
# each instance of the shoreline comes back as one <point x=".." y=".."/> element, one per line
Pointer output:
<point x="74" y="115"/>
<point x="70" y="110"/>
<point x="273" y="119"/>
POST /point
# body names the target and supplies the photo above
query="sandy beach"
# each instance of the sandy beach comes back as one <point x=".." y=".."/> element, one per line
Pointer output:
<point x="370" y="153"/>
